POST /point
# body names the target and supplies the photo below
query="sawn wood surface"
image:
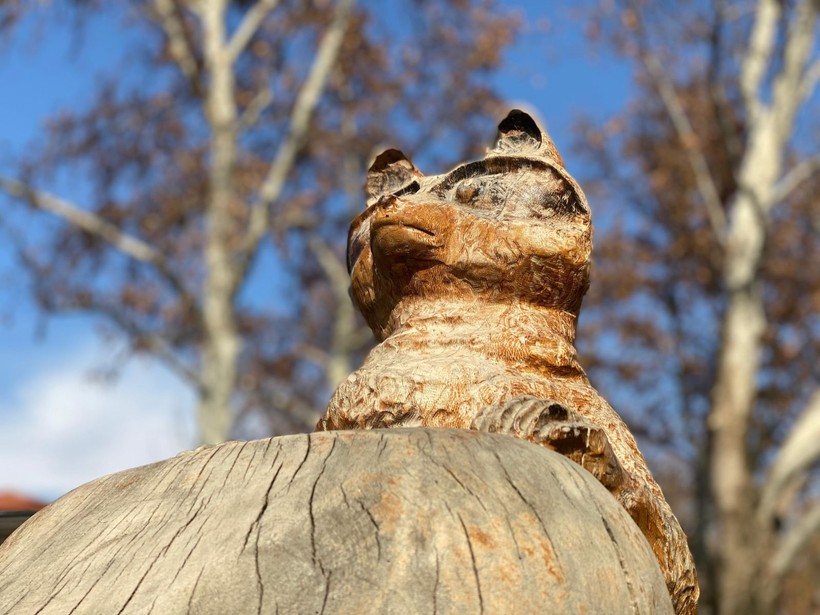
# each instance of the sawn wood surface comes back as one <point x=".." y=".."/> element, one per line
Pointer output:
<point x="388" y="521"/>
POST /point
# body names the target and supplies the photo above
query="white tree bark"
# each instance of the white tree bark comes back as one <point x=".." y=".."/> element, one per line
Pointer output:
<point x="229" y="251"/>
<point x="746" y="542"/>
<point x="799" y="452"/>
<point x="770" y="127"/>
<point x="92" y="224"/>
<point x="227" y="268"/>
<point x="303" y="108"/>
<point x="168" y="15"/>
<point x="220" y="352"/>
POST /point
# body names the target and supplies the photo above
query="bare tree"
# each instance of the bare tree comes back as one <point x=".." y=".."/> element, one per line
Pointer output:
<point x="237" y="148"/>
<point x="712" y="263"/>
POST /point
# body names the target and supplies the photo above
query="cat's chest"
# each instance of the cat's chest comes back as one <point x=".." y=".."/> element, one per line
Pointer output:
<point x="443" y="390"/>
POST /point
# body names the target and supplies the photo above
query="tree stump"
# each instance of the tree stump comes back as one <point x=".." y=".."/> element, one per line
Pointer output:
<point x="385" y="521"/>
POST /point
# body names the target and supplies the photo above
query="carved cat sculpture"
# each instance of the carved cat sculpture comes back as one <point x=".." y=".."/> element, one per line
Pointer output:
<point x="472" y="282"/>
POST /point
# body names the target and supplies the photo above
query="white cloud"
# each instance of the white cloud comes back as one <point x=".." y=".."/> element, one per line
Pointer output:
<point x="59" y="428"/>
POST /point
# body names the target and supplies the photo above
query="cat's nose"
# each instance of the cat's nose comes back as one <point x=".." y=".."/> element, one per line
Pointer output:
<point x="387" y="202"/>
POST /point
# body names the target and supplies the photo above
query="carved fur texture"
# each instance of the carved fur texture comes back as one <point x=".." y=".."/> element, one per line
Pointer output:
<point x="472" y="282"/>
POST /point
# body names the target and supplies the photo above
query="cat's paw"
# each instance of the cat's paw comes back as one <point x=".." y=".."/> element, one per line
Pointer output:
<point x="554" y="426"/>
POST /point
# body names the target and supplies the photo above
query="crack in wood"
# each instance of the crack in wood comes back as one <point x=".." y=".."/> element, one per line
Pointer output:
<point x="472" y="559"/>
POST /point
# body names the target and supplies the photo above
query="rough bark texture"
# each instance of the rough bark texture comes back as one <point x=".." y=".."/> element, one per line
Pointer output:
<point x="472" y="281"/>
<point x="399" y="521"/>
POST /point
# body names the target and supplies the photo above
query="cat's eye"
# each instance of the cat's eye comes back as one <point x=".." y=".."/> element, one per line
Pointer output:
<point x="410" y="188"/>
<point x="466" y="192"/>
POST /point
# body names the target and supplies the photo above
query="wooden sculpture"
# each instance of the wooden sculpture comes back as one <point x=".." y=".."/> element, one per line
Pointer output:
<point x="472" y="282"/>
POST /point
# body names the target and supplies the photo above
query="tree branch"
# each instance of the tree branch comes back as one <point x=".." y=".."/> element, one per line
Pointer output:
<point x="300" y="414"/>
<point x="810" y="79"/>
<point x="303" y="107"/>
<point x="800" y="450"/>
<point x="179" y="43"/>
<point x="154" y="343"/>
<point x="251" y="114"/>
<point x="796" y="176"/>
<point x="93" y="224"/>
<point x="688" y="138"/>
<point x="794" y="541"/>
<point x="248" y="27"/>
<point x="87" y="221"/>
<point x="788" y="83"/>
<point x="344" y="323"/>
<point x="757" y="57"/>
<point x="318" y="356"/>
<point x="720" y="102"/>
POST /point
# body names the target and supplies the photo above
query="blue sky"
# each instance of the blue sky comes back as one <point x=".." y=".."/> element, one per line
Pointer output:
<point x="58" y="426"/>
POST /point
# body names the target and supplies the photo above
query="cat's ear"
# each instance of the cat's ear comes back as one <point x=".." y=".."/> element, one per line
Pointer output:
<point x="518" y="129"/>
<point x="519" y="134"/>
<point x="390" y="173"/>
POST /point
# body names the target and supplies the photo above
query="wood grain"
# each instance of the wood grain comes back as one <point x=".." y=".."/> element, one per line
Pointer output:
<point x="389" y="521"/>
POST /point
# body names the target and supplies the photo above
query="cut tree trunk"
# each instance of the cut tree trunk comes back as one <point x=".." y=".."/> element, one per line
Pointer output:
<point x="385" y="521"/>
